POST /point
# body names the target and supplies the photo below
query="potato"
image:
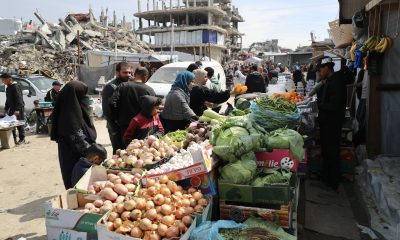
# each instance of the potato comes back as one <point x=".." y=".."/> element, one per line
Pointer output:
<point x="125" y="178"/>
<point x="130" y="187"/>
<point x="109" y="184"/>
<point x="120" y="189"/>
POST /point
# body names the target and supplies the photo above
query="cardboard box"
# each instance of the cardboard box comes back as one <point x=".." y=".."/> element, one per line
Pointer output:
<point x="271" y="194"/>
<point x="62" y="233"/>
<point x="278" y="158"/>
<point x="206" y="182"/>
<point x="282" y="215"/>
<point x="203" y="163"/>
<point x="104" y="234"/>
<point x="60" y="215"/>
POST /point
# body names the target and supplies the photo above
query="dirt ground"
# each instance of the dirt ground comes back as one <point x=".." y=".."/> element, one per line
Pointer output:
<point x="29" y="176"/>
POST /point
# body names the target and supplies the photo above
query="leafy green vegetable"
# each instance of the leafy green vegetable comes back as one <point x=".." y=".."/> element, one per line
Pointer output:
<point x="177" y="136"/>
<point x="287" y="139"/>
<point x="205" y="119"/>
<point x="277" y="104"/>
<point x="242" y="171"/>
<point x="281" y="176"/>
<point x="213" y="115"/>
<point x="242" y="104"/>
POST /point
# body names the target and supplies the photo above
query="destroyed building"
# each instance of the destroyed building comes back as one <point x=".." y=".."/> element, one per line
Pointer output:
<point x="199" y="27"/>
<point x="58" y="49"/>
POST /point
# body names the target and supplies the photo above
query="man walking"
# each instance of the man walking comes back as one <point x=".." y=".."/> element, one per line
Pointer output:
<point x="123" y="73"/>
<point x="14" y="105"/>
<point x="125" y="102"/>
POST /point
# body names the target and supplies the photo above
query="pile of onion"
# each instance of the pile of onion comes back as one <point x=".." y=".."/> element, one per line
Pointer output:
<point x="161" y="210"/>
<point x="112" y="192"/>
<point x="142" y="152"/>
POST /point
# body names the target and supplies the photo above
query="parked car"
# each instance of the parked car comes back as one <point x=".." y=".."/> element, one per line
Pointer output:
<point x="163" y="78"/>
<point x="34" y="87"/>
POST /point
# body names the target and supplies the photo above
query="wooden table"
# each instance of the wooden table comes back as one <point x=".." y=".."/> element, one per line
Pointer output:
<point x="5" y="134"/>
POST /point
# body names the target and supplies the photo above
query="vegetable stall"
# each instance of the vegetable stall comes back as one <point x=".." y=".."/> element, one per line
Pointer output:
<point x="235" y="176"/>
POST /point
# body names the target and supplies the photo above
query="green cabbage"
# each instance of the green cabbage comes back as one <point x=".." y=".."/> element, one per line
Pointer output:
<point x="287" y="139"/>
<point x="231" y="136"/>
<point x="242" y="171"/>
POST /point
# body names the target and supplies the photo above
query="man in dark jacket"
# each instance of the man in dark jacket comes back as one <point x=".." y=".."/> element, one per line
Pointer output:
<point x="123" y="72"/>
<point x="52" y="94"/>
<point x="255" y="81"/>
<point x="125" y="102"/>
<point x="14" y="105"/>
<point x="332" y="107"/>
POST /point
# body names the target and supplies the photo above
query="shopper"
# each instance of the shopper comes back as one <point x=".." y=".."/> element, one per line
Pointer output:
<point x="311" y="74"/>
<point x="200" y="94"/>
<point x="14" y="105"/>
<point x="254" y="81"/>
<point x="123" y="73"/>
<point x="147" y="122"/>
<point x="125" y="102"/>
<point x="94" y="156"/>
<point x="177" y="112"/>
<point x="214" y="84"/>
<point x="332" y="106"/>
<point x="52" y="94"/>
<point x="72" y="128"/>
<point x="192" y="67"/>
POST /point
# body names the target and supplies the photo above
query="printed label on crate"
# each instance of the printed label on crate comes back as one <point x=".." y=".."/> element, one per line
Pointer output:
<point x="180" y="174"/>
<point x="65" y="234"/>
<point x="277" y="158"/>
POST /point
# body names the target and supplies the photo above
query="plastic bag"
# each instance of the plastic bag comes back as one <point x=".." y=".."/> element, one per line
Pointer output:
<point x="271" y="120"/>
<point x="210" y="230"/>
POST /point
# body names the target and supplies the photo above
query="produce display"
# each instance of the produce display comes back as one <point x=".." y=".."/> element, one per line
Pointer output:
<point x="286" y="139"/>
<point x="161" y="210"/>
<point x="177" y="136"/>
<point x="240" y="89"/>
<point x="279" y="176"/>
<point x="112" y="191"/>
<point x="142" y="152"/>
<point x="197" y="134"/>
<point x="209" y="116"/>
<point x="290" y="96"/>
<point x="241" y="171"/>
<point x="375" y="44"/>
<point x="180" y="160"/>
<point x="279" y="104"/>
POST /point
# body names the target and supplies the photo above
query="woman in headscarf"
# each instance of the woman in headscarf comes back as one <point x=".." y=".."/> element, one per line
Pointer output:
<point x="177" y="113"/>
<point x="201" y="94"/>
<point x="72" y="128"/>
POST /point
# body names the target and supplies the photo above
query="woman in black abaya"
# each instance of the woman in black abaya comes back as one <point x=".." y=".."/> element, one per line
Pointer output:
<point x="72" y="128"/>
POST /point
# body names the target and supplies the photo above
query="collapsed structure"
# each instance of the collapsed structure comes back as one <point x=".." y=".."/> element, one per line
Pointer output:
<point x="199" y="27"/>
<point x="57" y="49"/>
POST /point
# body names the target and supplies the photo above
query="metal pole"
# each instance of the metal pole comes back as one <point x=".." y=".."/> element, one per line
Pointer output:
<point x="79" y="52"/>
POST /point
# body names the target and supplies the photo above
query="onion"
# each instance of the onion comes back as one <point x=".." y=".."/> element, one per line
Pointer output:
<point x="159" y="199"/>
<point x="179" y="213"/>
<point x="188" y="211"/>
<point x="136" y="214"/>
<point x="98" y="203"/>
<point x="193" y="202"/>
<point x="199" y="208"/>
<point x="152" y="191"/>
<point x="181" y="226"/>
<point x="117" y="223"/>
<point x="131" y="187"/>
<point x="157" y="185"/>
<point x="197" y="195"/>
<point x="168" y="200"/>
<point x="113" y="216"/>
<point x="164" y="179"/>
<point x="162" y="229"/>
<point x="89" y="206"/>
<point x="165" y="191"/>
<point x="136" y="232"/>
<point x="141" y="203"/>
<point x="110" y="226"/>
<point x="120" y="199"/>
<point x="172" y="232"/>
<point x="139" y="163"/>
<point x="150" y="182"/>
<point x="152" y="235"/>
<point x="172" y="186"/>
<point x="187" y="220"/>
<point x="125" y="215"/>
<point x="120" y="208"/>
<point x="180" y="189"/>
<point x="158" y="209"/>
<point x="145" y="224"/>
<point x="166" y="209"/>
<point x="130" y="205"/>
<point x="149" y="205"/>
<point x="168" y="220"/>
<point x="159" y="217"/>
<point x="202" y="202"/>
<point x="178" y="193"/>
<point x="151" y="214"/>
<point x="191" y="190"/>
<point x="186" y="203"/>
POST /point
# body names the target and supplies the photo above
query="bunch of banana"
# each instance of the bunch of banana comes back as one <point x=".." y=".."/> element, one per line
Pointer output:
<point x="384" y="43"/>
<point x="352" y="51"/>
<point x="370" y="44"/>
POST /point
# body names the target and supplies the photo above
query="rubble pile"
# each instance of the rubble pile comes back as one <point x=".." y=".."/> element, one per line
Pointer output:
<point x="57" y="49"/>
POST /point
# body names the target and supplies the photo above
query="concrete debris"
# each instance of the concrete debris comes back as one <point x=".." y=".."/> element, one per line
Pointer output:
<point x="53" y="48"/>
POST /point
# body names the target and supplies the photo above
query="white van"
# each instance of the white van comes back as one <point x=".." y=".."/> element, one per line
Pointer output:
<point x="165" y="76"/>
<point x="34" y="87"/>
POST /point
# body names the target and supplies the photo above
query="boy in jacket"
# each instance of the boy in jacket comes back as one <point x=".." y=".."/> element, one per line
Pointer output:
<point x="147" y="122"/>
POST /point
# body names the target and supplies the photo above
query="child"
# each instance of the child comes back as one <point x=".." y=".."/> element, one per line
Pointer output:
<point x="147" y="122"/>
<point x="94" y="155"/>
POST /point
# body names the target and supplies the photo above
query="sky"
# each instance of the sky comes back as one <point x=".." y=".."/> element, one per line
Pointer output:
<point x="289" y="21"/>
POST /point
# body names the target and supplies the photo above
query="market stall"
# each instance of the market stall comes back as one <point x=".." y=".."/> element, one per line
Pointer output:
<point x="226" y="174"/>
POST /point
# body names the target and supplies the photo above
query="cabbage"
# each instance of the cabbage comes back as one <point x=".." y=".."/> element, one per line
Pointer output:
<point x="287" y="139"/>
<point x="242" y="171"/>
<point x="231" y="136"/>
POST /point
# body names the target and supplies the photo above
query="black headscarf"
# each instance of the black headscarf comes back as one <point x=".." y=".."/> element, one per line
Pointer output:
<point x="147" y="104"/>
<point x="71" y="112"/>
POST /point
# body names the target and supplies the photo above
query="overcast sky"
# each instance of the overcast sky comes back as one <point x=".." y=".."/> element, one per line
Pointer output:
<point x="290" y="21"/>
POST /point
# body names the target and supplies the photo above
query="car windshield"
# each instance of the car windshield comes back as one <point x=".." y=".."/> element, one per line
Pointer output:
<point x="42" y="83"/>
<point x="165" y="75"/>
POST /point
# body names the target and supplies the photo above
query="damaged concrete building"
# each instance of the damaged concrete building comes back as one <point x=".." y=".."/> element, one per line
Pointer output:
<point x="200" y="27"/>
